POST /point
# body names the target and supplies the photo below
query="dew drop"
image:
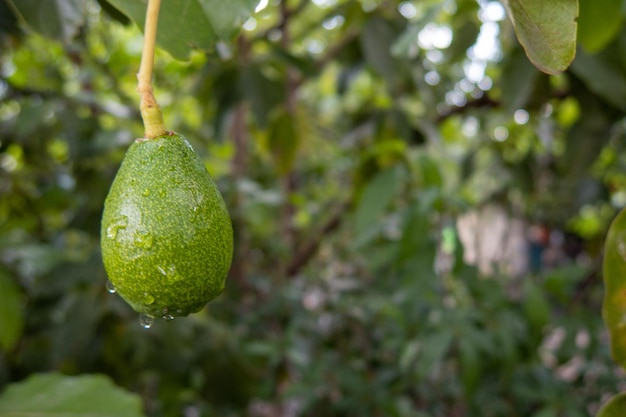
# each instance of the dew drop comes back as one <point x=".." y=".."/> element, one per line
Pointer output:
<point x="161" y="270"/>
<point x="621" y="248"/>
<point x="110" y="287"/>
<point x="116" y="225"/>
<point x="179" y="311"/>
<point x="146" y="320"/>
<point x="168" y="317"/>
<point x="146" y="192"/>
<point x="143" y="239"/>
<point x="173" y="274"/>
<point x="148" y="298"/>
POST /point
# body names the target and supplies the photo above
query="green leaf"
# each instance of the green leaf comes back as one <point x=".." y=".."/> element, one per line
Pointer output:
<point x="535" y="306"/>
<point x="56" y="19"/>
<point x="518" y="79"/>
<point x="615" y="407"/>
<point x="187" y="24"/>
<point x="598" y="23"/>
<point x="603" y="74"/>
<point x="283" y="141"/>
<point x="547" y="31"/>
<point x="375" y="198"/>
<point x="58" y="395"/>
<point x="470" y="365"/>
<point x="11" y="312"/>
<point x="432" y="350"/>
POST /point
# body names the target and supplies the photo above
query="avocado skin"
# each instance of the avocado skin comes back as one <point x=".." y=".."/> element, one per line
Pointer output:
<point x="166" y="235"/>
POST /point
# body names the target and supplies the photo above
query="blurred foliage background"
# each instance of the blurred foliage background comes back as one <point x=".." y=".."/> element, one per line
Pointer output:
<point x="419" y="212"/>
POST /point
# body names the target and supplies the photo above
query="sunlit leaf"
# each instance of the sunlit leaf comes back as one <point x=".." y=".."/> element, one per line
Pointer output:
<point x="547" y="31"/>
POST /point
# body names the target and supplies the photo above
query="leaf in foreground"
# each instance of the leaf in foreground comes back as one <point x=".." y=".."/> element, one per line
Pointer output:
<point x="59" y="395"/>
<point x="547" y="31"/>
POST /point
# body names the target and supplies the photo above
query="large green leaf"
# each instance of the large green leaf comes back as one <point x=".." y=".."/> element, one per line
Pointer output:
<point x="599" y="22"/>
<point x="187" y="24"/>
<point x="55" y="395"/>
<point x="547" y="31"/>
<point x="56" y="19"/>
<point x="11" y="312"/>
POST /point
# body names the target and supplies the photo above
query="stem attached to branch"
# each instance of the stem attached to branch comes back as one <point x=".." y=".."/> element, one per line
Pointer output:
<point x="150" y="110"/>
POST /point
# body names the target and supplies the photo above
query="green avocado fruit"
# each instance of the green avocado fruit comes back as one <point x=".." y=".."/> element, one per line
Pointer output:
<point x="614" y="276"/>
<point x="166" y="236"/>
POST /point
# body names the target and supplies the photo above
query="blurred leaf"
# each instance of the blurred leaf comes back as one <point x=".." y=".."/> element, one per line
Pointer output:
<point x="377" y="195"/>
<point x="263" y="93"/>
<point x="377" y="38"/>
<point x="433" y="348"/>
<point x="518" y="79"/>
<point x="615" y="407"/>
<point x="546" y="30"/>
<point x="56" y="19"/>
<point x="604" y="74"/>
<point x="11" y="312"/>
<point x="535" y="306"/>
<point x="283" y="141"/>
<point x="188" y="24"/>
<point x="470" y="363"/>
<point x="599" y="21"/>
<point x="66" y="396"/>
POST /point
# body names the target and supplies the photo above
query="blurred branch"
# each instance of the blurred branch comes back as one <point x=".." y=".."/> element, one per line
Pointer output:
<point x="482" y="101"/>
<point x="284" y="17"/>
<point x="239" y="163"/>
<point x="305" y="254"/>
<point x="287" y="181"/>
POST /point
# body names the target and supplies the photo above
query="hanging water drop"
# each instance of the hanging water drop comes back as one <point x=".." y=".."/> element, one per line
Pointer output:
<point x="143" y="239"/>
<point x="146" y="320"/>
<point x="116" y="225"/>
<point x="110" y="287"/>
<point x="148" y="298"/>
<point x="168" y="317"/>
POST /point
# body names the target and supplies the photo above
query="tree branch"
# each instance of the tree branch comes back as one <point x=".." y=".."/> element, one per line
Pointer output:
<point x="308" y="251"/>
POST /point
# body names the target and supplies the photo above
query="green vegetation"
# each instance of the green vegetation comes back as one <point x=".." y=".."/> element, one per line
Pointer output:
<point x="419" y="212"/>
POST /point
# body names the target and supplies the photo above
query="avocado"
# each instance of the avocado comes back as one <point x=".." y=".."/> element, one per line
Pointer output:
<point x="166" y="235"/>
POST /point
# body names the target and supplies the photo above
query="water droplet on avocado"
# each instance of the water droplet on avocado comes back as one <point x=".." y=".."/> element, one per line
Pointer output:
<point x="161" y="270"/>
<point x="146" y="320"/>
<point x="143" y="239"/>
<point x="146" y="192"/>
<point x="110" y="287"/>
<point x="168" y="317"/>
<point x="148" y="298"/>
<point x="116" y="225"/>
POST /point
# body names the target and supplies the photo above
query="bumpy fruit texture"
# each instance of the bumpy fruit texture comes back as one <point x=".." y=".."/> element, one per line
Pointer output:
<point x="614" y="275"/>
<point x="167" y="239"/>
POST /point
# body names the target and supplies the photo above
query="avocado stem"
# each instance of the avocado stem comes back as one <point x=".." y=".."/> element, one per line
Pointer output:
<point x="150" y="110"/>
